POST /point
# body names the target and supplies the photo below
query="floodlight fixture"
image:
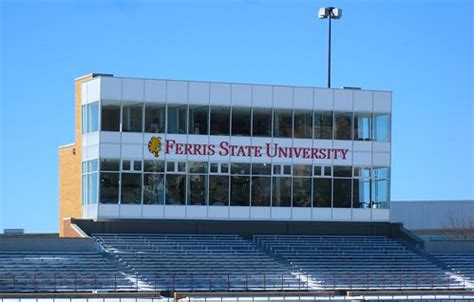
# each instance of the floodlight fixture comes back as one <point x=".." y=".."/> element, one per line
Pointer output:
<point x="329" y="13"/>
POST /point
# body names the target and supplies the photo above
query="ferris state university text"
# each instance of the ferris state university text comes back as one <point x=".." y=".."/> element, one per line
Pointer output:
<point x="224" y="148"/>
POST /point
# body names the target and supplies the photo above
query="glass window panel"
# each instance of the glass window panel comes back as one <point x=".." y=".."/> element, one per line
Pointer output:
<point x="322" y="192"/>
<point x="198" y="120"/>
<point x="381" y="173"/>
<point x="361" y="193"/>
<point x="261" y="191"/>
<point x="84" y="167"/>
<point x="155" y="118"/>
<point x="109" y="187"/>
<point x="287" y="169"/>
<point x="277" y="170"/>
<point x="261" y="169"/>
<point x="137" y="165"/>
<point x="214" y="168"/>
<point x="262" y="122"/>
<point x="218" y="190"/>
<point x="177" y="119"/>
<point x="362" y="126"/>
<point x="153" y="189"/>
<point x="126" y="165"/>
<point x="281" y="192"/>
<point x="92" y="188"/>
<point x="92" y="165"/>
<point x="342" y="193"/>
<point x="109" y="164"/>
<point x="197" y="189"/>
<point x="84" y="189"/>
<point x="380" y="194"/>
<point x="382" y="128"/>
<point x="181" y="167"/>
<point x="317" y="170"/>
<point x="343" y="123"/>
<point x="323" y="125"/>
<point x="240" y="191"/>
<point x="240" y="168"/>
<point x="282" y="123"/>
<point x="132" y="118"/>
<point x="342" y="171"/>
<point x="303" y="124"/>
<point x="84" y="118"/>
<point x="224" y="168"/>
<point x="197" y="167"/>
<point x="110" y="117"/>
<point x="241" y="121"/>
<point x="302" y="192"/>
<point x="175" y="189"/>
<point x="93" y="117"/>
<point x="302" y="170"/>
<point x="131" y="188"/>
<point x="327" y="171"/>
<point x="157" y="166"/>
<point x="170" y="166"/>
<point x="220" y="120"/>
<point x="366" y="172"/>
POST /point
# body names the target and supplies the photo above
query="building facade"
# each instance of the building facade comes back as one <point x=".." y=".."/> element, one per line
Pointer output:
<point x="162" y="149"/>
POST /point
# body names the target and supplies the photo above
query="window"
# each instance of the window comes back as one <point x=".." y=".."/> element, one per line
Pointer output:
<point x="303" y="124"/>
<point x="240" y="191"/>
<point x="153" y="189"/>
<point x="109" y="187"/>
<point x="132" y="118"/>
<point x="241" y="121"/>
<point x="198" y="120"/>
<point x="90" y="118"/>
<point x="362" y="127"/>
<point x="361" y="193"/>
<point x="155" y="118"/>
<point x="261" y="191"/>
<point x="110" y="117"/>
<point x="220" y="122"/>
<point x="302" y="170"/>
<point x="92" y="188"/>
<point x="262" y="122"/>
<point x="218" y="190"/>
<point x="131" y="188"/>
<point x="240" y="168"/>
<point x="175" y="189"/>
<point x="342" y="193"/>
<point x="197" y="167"/>
<point x="382" y="127"/>
<point x="156" y="166"/>
<point x="322" y="125"/>
<point x="380" y="193"/>
<point x="261" y="169"/>
<point x="197" y="192"/>
<point x="282" y="123"/>
<point x="177" y="119"/>
<point x="109" y="164"/>
<point x="302" y="191"/>
<point x="342" y="171"/>
<point x="343" y="122"/>
<point x="322" y="192"/>
<point x="281" y="192"/>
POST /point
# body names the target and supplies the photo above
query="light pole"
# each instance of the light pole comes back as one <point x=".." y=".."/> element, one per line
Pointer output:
<point x="329" y="13"/>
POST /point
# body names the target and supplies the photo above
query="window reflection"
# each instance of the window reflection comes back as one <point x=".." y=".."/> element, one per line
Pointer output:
<point x="301" y="192"/>
<point x="240" y="191"/>
<point x="362" y="126"/>
<point x="132" y="117"/>
<point x="322" y="192"/>
<point x="323" y="125"/>
<point x="131" y="188"/>
<point x="342" y="193"/>
<point x="262" y="122"/>
<point x="261" y="191"/>
<point x="110" y="117"/>
<point x="281" y="192"/>
<point x="241" y="121"/>
<point x="303" y="124"/>
<point x="218" y="190"/>
<point x="153" y="189"/>
<point x="175" y="189"/>
<point x="282" y="123"/>
<point x="382" y="128"/>
<point x="220" y="120"/>
<point x="343" y="123"/>
<point x="197" y="189"/>
<point x="198" y="120"/>
<point x="109" y="187"/>
<point x="155" y="118"/>
<point x="177" y="119"/>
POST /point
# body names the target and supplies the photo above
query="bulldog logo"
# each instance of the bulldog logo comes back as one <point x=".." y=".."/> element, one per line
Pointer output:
<point x="155" y="146"/>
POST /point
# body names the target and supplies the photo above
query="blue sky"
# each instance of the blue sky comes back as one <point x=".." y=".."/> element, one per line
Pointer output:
<point x="421" y="50"/>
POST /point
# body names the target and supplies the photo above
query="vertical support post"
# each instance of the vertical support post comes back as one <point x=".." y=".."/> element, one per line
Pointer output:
<point x="329" y="50"/>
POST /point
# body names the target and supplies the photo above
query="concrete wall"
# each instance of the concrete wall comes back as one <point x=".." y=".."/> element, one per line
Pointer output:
<point x="431" y="215"/>
<point x="46" y="244"/>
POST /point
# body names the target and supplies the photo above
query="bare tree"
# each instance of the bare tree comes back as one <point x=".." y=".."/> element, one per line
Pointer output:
<point x="456" y="228"/>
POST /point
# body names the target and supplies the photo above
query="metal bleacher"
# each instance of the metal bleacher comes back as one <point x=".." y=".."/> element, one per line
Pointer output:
<point x="459" y="263"/>
<point x="359" y="262"/>
<point x="59" y="271"/>
<point x="199" y="262"/>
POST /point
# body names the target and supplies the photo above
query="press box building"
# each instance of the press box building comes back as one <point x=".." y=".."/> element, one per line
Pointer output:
<point x="165" y="149"/>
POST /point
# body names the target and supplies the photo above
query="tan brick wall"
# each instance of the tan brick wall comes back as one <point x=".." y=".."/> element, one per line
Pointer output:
<point x="70" y="185"/>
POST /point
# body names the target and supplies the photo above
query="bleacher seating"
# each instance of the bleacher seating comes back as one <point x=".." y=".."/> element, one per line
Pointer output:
<point x="199" y="262"/>
<point x="53" y="271"/>
<point x="360" y="262"/>
<point x="460" y="263"/>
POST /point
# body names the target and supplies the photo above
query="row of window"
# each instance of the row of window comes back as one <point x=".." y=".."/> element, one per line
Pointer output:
<point x="180" y="183"/>
<point x="258" y="122"/>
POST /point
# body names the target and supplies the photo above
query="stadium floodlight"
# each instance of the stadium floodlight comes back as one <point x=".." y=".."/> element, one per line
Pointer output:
<point x="329" y="13"/>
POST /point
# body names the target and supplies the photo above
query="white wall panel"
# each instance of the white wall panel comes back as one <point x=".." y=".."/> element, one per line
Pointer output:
<point x="262" y="96"/>
<point x="343" y="99"/>
<point x="133" y="90"/>
<point x="198" y="93"/>
<point x="380" y="214"/>
<point x="282" y="97"/>
<point x="381" y="159"/>
<point x="323" y="99"/>
<point x="175" y="212"/>
<point x="110" y="150"/>
<point x="220" y="94"/>
<point x="111" y="88"/>
<point x="260" y="213"/>
<point x="241" y="95"/>
<point x="196" y="212"/>
<point x="217" y="212"/>
<point x="303" y="98"/>
<point x="132" y="138"/>
<point x="108" y="211"/>
<point x="321" y="214"/>
<point x="363" y="100"/>
<point x="153" y="211"/>
<point x="301" y="214"/>
<point x="130" y="211"/>
<point x="84" y="93"/>
<point x="92" y="152"/>
<point x="362" y="158"/>
<point x="92" y="138"/>
<point x="381" y="146"/>
<point x="362" y="146"/>
<point x="281" y="213"/>
<point x="110" y="137"/>
<point x="132" y="151"/>
<point x="361" y="214"/>
<point x="176" y="92"/>
<point x="239" y="212"/>
<point x="382" y="101"/>
<point x="93" y="90"/>
<point x="155" y="91"/>
<point x="341" y="214"/>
